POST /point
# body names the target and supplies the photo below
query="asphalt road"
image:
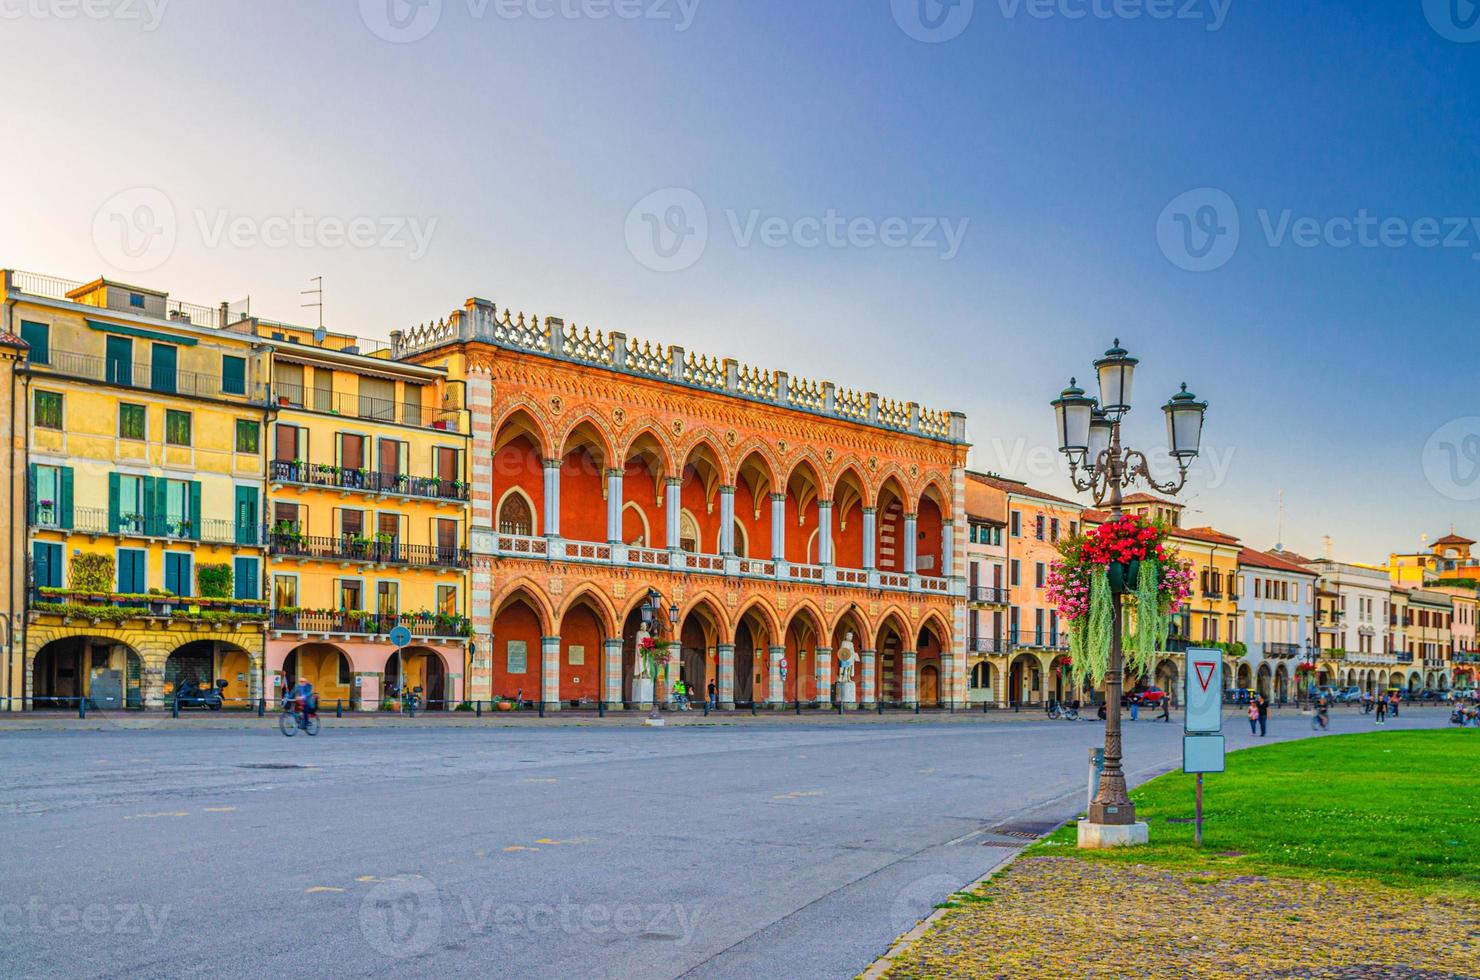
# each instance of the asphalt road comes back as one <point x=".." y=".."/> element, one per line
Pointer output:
<point x="796" y="850"/>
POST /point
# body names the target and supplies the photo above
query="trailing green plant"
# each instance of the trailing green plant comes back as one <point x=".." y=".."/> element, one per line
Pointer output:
<point x="92" y="572"/>
<point x="215" y="581"/>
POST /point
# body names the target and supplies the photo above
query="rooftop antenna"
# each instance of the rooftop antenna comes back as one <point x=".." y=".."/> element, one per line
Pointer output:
<point x="317" y="292"/>
<point x="1279" y="537"/>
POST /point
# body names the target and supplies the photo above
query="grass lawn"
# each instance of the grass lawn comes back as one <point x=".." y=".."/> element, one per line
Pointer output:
<point x="1401" y="808"/>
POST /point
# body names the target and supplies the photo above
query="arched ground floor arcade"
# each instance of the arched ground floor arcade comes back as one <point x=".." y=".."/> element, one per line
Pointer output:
<point x="366" y="674"/>
<point x="136" y="664"/>
<point x="545" y="637"/>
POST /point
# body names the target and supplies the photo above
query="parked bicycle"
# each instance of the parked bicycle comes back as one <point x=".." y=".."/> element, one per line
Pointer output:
<point x="1067" y="712"/>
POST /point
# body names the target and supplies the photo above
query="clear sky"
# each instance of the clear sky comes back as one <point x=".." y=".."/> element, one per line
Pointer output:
<point x="1038" y="152"/>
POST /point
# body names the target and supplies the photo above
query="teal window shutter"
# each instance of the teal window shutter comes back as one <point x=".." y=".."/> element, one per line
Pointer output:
<point x="47" y="558"/>
<point x="156" y="506"/>
<point x="195" y="518"/>
<point x="233" y="375"/>
<point x="64" y="496"/>
<point x="244" y="579"/>
<point x="31" y="491"/>
<point x="38" y="336"/>
<point x="113" y="493"/>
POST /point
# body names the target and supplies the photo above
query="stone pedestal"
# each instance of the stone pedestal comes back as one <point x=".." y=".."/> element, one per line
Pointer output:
<point x="642" y="693"/>
<point x="1095" y="836"/>
<point x="848" y="694"/>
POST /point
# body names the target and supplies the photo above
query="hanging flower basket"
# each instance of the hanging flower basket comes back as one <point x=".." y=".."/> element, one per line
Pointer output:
<point x="1128" y="558"/>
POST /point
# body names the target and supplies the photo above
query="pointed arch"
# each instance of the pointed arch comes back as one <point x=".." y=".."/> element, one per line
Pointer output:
<point x="809" y="609"/>
<point x="762" y="608"/>
<point x="529" y="593"/>
<point x="646" y="439"/>
<point x="588" y="595"/>
<point x="891" y="479"/>
<point x="520" y="516"/>
<point x="522" y="416"/>
<point x="941" y="495"/>
<point x="708" y="606"/>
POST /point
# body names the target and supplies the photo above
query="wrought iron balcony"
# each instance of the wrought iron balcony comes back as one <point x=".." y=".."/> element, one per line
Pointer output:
<point x="424" y="625"/>
<point x="990" y="595"/>
<point x="366" y="480"/>
<point x="143" y="376"/>
<point x="987" y="644"/>
<point x="375" y="551"/>
<point x="364" y="407"/>
<point x="1404" y="657"/>
<point x="1282" y="651"/>
<point x="96" y="521"/>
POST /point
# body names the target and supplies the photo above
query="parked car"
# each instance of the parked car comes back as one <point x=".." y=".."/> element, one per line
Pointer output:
<point x="1349" y="695"/>
<point x="1148" y="697"/>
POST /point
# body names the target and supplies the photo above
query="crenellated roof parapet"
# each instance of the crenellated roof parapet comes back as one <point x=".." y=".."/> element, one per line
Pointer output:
<point x="481" y="320"/>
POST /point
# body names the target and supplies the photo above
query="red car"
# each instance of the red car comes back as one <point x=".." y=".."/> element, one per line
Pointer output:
<point x="1152" y="696"/>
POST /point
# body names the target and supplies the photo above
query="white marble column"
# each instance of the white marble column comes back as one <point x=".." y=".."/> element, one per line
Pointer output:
<point x="550" y="672"/>
<point x="726" y="681"/>
<point x="824" y="676"/>
<point x="552" y="498"/>
<point x="908" y="692"/>
<point x="824" y="532"/>
<point x="612" y="674"/>
<point x="947" y="548"/>
<point x="773" y="688"/>
<point x="911" y="540"/>
<point x="614" y="506"/>
<point x="778" y="526"/>
<point x="727" y="520"/>
<point x="870" y="540"/>
<point x="672" y="510"/>
<point x="868" y="692"/>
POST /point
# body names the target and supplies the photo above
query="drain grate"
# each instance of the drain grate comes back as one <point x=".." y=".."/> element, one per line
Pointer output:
<point x="1026" y="829"/>
<point x="1012" y="844"/>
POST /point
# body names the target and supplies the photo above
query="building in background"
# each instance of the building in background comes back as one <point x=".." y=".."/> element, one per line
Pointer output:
<point x="1447" y="559"/>
<point x="774" y="519"/>
<point x="368" y="520"/>
<point x="1276" y="602"/>
<point x="143" y="494"/>
<point x="987" y="592"/>
<point x="1430" y="639"/>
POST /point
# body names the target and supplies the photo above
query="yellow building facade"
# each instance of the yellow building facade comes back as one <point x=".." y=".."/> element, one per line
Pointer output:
<point x="367" y="520"/>
<point x="144" y="425"/>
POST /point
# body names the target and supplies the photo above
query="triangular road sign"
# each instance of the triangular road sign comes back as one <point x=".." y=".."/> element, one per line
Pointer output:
<point x="1205" y="670"/>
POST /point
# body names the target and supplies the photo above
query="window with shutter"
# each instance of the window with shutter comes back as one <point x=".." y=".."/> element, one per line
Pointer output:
<point x="233" y="375"/>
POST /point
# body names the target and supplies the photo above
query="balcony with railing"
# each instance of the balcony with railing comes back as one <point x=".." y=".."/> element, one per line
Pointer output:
<point x="1282" y="651"/>
<point x="366" y="480"/>
<point x="427" y="626"/>
<point x="143" y="376"/>
<point x="987" y="644"/>
<point x="96" y="522"/>
<point x="988" y="595"/>
<point x="1404" y="657"/>
<point x="116" y="607"/>
<point x="379" y="550"/>
<point x="515" y="541"/>
<point x="366" y="407"/>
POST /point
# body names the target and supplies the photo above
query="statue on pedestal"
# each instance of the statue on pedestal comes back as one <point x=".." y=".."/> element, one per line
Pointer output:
<point x="644" y="651"/>
<point x="847" y="660"/>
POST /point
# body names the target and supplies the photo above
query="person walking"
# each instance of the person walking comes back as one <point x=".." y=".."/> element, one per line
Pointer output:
<point x="1135" y="708"/>
<point x="1253" y="718"/>
<point x="713" y="697"/>
<point x="1263" y="716"/>
<point x="1393" y="703"/>
<point x="1166" y="708"/>
<point x="1382" y="711"/>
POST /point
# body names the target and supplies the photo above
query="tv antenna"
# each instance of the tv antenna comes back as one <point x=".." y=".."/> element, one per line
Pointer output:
<point x="1279" y="537"/>
<point x="317" y="292"/>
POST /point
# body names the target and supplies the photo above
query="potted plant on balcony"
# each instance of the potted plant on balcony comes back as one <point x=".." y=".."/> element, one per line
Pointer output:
<point x="46" y="512"/>
<point x="1130" y="557"/>
<point x="161" y="602"/>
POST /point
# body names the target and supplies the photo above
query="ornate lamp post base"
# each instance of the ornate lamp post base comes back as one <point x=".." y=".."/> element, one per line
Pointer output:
<point x="1102" y="835"/>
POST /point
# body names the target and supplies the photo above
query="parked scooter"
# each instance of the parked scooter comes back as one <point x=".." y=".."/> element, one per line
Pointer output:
<point x="192" y="695"/>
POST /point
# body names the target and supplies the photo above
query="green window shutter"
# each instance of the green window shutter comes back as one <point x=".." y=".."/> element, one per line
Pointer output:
<point x="38" y="336"/>
<point x="113" y="503"/>
<point x="233" y="375"/>
<point x="64" y="496"/>
<point x="195" y="518"/>
<point x="31" y="492"/>
<point x="156" y="505"/>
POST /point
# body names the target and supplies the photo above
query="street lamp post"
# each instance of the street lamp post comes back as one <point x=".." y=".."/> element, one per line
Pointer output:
<point x="1100" y="464"/>
<point x="648" y="611"/>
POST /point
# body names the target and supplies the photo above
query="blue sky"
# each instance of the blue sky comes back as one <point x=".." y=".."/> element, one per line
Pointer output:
<point x="518" y="148"/>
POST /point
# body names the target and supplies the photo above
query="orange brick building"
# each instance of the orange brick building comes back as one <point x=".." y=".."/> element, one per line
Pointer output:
<point x="773" y="515"/>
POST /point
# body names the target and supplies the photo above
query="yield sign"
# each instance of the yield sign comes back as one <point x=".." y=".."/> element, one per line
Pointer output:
<point x="1205" y="671"/>
<point x="1203" y="686"/>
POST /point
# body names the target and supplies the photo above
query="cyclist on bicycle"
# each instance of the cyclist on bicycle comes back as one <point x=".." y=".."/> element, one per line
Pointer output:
<point x="303" y="700"/>
<point x="1323" y="712"/>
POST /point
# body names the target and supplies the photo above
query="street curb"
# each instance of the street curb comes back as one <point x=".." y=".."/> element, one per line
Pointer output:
<point x="903" y="944"/>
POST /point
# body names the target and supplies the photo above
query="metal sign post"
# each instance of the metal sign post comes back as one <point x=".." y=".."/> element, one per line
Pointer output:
<point x="400" y="637"/>
<point x="1202" y="726"/>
